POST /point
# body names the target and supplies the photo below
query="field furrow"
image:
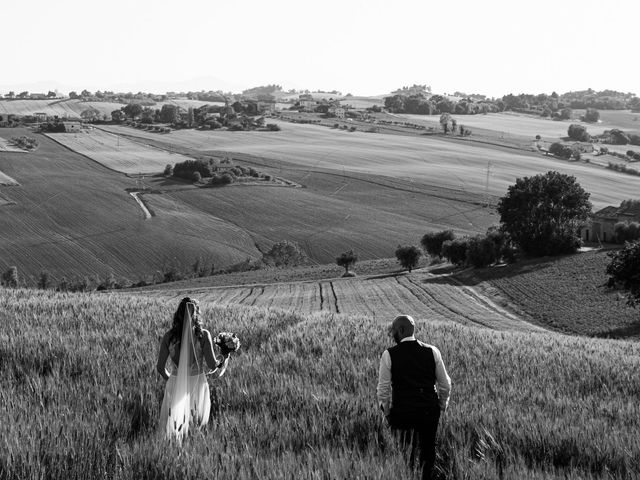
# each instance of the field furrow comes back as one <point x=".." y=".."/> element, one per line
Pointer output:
<point x="426" y="297"/>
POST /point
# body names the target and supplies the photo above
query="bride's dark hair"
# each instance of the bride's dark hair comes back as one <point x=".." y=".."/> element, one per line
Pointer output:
<point x="178" y="317"/>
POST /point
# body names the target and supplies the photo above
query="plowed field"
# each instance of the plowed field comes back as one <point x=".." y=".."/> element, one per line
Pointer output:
<point x="423" y="295"/>
<point x="118" y="153"/>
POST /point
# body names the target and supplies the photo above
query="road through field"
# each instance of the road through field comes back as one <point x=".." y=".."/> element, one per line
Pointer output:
<point x="454" y="164"/>
<point x="423" y="295"/>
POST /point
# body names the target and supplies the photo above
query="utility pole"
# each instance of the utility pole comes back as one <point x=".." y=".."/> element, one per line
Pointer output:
<point x="486" y="185"/>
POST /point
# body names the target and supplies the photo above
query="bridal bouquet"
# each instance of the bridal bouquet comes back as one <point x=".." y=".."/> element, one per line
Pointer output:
<point x="228" y="342"/>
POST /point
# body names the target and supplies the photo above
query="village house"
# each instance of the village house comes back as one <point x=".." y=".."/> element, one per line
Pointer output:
<point x="336" y="111"/>
<point x="601" y="224"/>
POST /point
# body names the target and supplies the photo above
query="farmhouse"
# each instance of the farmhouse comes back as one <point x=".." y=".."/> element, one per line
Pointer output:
<point x="601" y="224"/>
<point x="72" y="127"/>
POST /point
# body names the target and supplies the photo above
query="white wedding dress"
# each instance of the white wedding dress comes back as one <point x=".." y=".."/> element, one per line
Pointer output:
<point x="186" y="399"/>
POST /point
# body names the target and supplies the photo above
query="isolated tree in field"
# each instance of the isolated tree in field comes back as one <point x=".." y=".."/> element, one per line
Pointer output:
<point x="578" y="132"/>
<point x="408" y="256"/>
<point x="543" y="213"/>
<point x="285" y="254"/>
<point x="624" y="271"/>
<point x="347" y="260"/>
<point x="10" y="277"/>
<point x="432" y="242"/>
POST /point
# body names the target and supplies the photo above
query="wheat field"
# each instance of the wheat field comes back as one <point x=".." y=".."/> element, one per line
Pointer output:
<point x="78" y="385"/>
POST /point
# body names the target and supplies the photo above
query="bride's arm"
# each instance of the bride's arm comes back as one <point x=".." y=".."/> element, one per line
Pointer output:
<point x="210" y="356"/>
<point x="161" y="366"/>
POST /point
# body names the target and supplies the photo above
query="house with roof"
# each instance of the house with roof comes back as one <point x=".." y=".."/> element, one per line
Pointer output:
<point x="601" y="224"/>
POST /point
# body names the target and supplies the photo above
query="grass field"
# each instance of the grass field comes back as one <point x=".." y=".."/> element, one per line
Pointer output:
<point x="117" y="152"/>
<point x="431" y="160"/>
<point x="78" y="381"/>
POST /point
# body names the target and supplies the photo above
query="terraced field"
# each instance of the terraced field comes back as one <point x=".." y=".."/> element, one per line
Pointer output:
<point x="118" y="153"/>
<point x="432" y="160"/>
<point x="423" y="295"/>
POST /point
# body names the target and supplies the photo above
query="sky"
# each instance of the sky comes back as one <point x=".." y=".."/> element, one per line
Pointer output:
<point x="362" y="47"/>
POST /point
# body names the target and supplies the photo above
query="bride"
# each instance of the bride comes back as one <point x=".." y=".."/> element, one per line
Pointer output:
<point x="190" y="347"/>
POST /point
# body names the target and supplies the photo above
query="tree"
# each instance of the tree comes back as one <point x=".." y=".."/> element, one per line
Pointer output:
<point x="542" y="214"/>
<point x="44" y="280"/>
<point x="566" y="114"/>
<point x="90" y="114"/>
<point x="10" y="277"/>
<point x="132" y="110"/>
<point x="578" y="132"/>
<point x="624" y="271"/>
<point x="117" y="116"/>
<point x="432" y="242"/>
<point x="346" y="260"/>
<point x="408" y="256"/>
<point x="445" y="119"/>
<point x="73" y="95"/>
<point x="592" y="115"/>
<point x="169" y="113"/>
<point x="456" y="250"/>
<point x="285" y="254"/>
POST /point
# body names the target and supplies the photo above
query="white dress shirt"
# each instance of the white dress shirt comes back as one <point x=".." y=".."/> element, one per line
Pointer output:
<point x="443" y="382"/>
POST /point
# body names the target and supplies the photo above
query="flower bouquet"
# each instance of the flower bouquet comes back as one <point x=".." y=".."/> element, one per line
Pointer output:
<point x="228" y="342"/>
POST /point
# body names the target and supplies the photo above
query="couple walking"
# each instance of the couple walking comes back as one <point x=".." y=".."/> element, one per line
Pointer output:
<point x="413" y="384"/>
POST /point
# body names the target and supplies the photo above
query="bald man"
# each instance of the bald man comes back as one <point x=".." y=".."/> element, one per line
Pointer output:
<point x="413" y="390"/>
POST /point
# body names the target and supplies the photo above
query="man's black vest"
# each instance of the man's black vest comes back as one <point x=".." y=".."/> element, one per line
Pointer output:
<point x="413" y="380"/>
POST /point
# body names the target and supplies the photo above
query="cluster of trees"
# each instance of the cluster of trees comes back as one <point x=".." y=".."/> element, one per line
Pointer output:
<point x="422" y="104"/>
<point x="417" y="100"/>
<point x="627" y="231"/>
<point x="24" y="142"/>
<point x="218" y="173"/>
<point x="624" y="271"/>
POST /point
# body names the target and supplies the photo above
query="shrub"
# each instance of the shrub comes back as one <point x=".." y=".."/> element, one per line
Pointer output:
<point x="634" y="139"/>
<point x="578" y="132"/>
<point x="168" y="170"/>
<point x="44" y="280"/>
<point x="432" y="242"/>
<point x="273" y="127"/>
<point x="196" y="177"/>
<point x="408" y="256"/>
<point x="10" y="278"/>
<point x="630" y="153"/>
<point x="455" y="250"/>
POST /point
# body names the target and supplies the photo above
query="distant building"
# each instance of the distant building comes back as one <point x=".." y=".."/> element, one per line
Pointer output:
<point x="601" y="224"/>
<point x="72" y="127"/>
<point x="40" y="116"/>
<point x="38" y="96"/>
<point x="337" y="111"/>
